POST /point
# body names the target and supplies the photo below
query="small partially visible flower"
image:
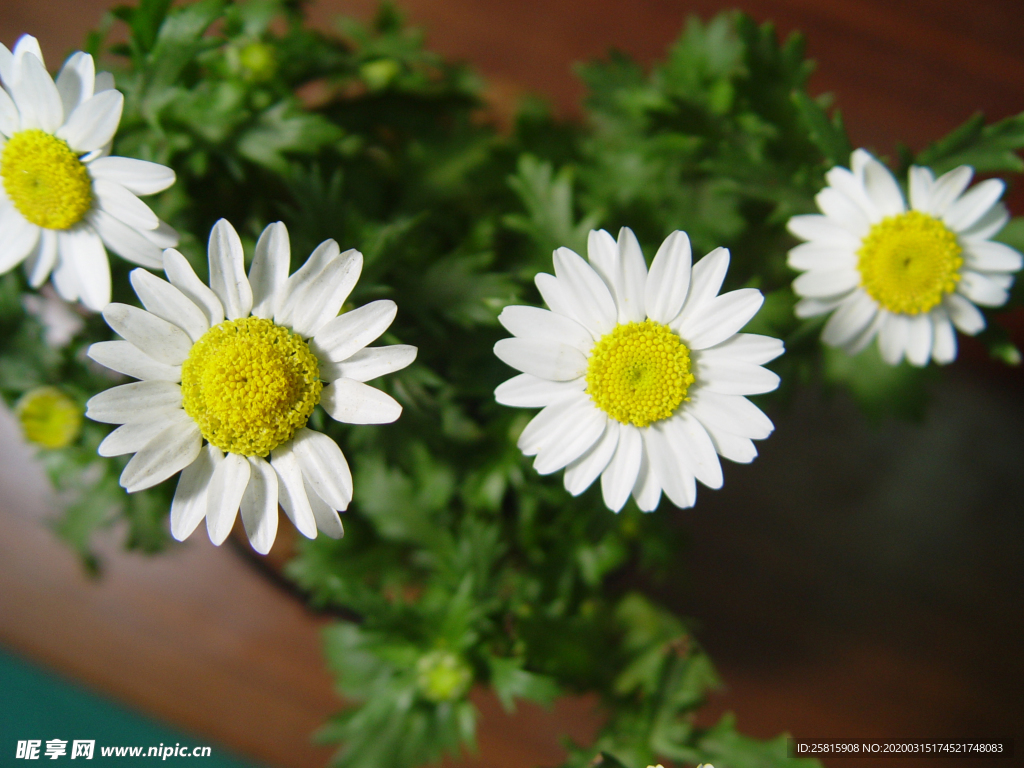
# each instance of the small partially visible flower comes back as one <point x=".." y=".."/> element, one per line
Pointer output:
<point x="905" y="275"/>
<point x="442" y="676"/>
<point x="63" y="198"/>
<point x="641" y="376"/>
<point x="246" y="385"/>
<point x="49" y="417"/>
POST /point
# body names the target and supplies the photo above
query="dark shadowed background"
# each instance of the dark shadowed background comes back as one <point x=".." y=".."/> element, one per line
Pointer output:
<point x="857" y="581"/>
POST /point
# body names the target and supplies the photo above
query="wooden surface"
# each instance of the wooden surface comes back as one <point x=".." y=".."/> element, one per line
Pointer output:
<point x="859" y="606"/>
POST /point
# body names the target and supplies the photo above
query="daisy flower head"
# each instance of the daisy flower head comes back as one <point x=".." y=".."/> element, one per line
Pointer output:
<point x="63" y="198"/>
<point x="641" y="376"/>
<point x="906" y="274"/>
<point x="229" y="375"/>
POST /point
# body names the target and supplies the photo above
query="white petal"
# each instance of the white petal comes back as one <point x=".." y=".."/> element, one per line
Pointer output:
<point x="730" y="413"/>
<point x="163" y="341"/>
<point x="892" y="338"/>
<point x="82" y="249"/>
<point x="42" y="259"/>
<point x="36" y="97"/>
<point x="227" y="271"/>
<point x="124" y="357"/>
<point x="973" y="205"/>
<point x="184" y="278"/>
<point x="747" y="347"/>
<point x="554" y="295"/>
<point x="327" y="518"/>
<point x="224" y="495"/>
<point x="859" y="342"/>
<point x="691" y="440"/>
<point x="843" y="211"/>
<point x="537" y="323"/>
<point x="813" y="307"/>
<point x="720" y="318"/>
<point x="291" y="491"/>
<point x="585" y="292"/>
<point x="25" y="45"/>
<point x="543" y="358"/>
<point x="964" y="315"/>
<point x="730" y="446"/>
<point x="883" y="189"/>
<point x="324" y="296"/>
<point x="292" y="293"/>
<point x="133" y="436"/>
<point x="164" y="236"/>
<point x="130" y="402"/>
<point x="947" y="188"/>
<point x="669" y="280"/>
<point x="984" y="290"/>
<point x="345" y="335"/>
<point x="19" y="238"/>
<point x="853" y="316"/>
<point x="528" y="391"/>
<point x="944" y="349"/>
<point x="988" y="256"/>
<point x="622" y="267"/>
<point x="823" y="283"/>
<point x="852" y="186"/>
<point x="585" y="430"/>
<point x="920" y="182"/>
<point x="620" y="477"/>
<point x="581" y="472"/>
<point x="189" y="505"/>
<point x="353" y="402"/>
<point x="919" y="339"/>
<point x="323" y="467"/>
<point x="168" y="303"/>
<point x="822" y="231"/>
<point x="733" y="377"/>
<point x="259" y="505"/>
<point x="552" y="422"/>
<point x="269" y="269"/>
<point x="670" y="468"/>
<point x="65" y="277"/>
<point x="138" y="176"/>
<point x="165" y="455"/>
<point x="127" y="242"/>
<point x="93" y="123"/>
<point x="815" y="256"/>
<point x="10" y="119"/>
<point x="705" y="282"/>
<point x="75" y="80"/>
<point x="981" y="289"/>
<point x="987" y="226"/>
<point x="369" y="363"/>
<point x="647" y="490"/>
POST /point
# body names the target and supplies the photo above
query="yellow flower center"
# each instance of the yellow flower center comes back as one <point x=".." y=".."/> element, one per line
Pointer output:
<point x="639" y="373"/>
<point x="909" y="262"/>
<point x="45" y="180"/>
<point x="249" y="384"/>
<point x="48" y="417"/>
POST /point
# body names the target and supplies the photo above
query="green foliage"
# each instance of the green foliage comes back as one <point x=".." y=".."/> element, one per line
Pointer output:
<point x="460" y="565"/>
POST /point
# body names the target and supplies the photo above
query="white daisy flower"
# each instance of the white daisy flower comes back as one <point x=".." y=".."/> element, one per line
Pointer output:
<point x="63" y="196"/>
<point x="246" y="384"/>
<point x="907" y="276"/>
<point x="641" y="377"/>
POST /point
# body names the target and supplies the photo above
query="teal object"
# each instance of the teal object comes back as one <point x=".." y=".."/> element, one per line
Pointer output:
<point x="36" y="704"/>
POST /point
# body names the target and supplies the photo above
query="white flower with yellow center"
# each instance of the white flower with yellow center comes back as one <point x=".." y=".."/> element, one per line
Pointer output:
<point x="641" y="376"/>
<point x="905" y="276"/>
<point x="62" y="196"/>
<point x="241" y="364"/>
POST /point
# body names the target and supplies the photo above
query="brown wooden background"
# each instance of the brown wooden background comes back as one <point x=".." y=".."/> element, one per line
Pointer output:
<point x="836" y="602"/>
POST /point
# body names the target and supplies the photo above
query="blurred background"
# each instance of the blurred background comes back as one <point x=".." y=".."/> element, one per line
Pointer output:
<point x="859" y="580"/>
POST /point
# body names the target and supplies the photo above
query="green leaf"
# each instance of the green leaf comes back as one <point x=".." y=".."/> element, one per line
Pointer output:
<point x="283" y="130"/>
<point x="510" y="682"/>
<point x="986" y="148"/>
<point x="828" y="135"/>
